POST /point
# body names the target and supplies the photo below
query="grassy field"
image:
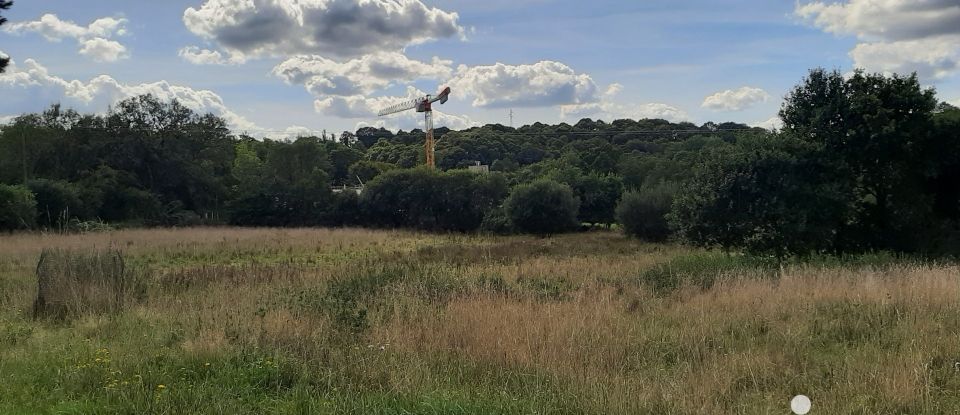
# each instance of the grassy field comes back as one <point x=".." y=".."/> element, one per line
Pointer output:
<point x="360" y="322"/>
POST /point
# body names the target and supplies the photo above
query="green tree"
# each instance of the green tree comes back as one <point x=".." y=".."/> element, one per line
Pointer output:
<point x="116" y="196"/>
<point x="543" y="207"/>
<point x="426" y="199"/>
<point x="367" y="170"/>
<point x="643" y="213"/>
<point x="58" y="201"/>
<point x="876" y="132"/>
<point x="598" y="194"/>
<point x="769" y="196"/>
<point x="341" y="158"/>
<point x="288" y="186"/>
<point x="344" y="210"/>
<point x="4" y="5"/>
<point x="18" y="208"/>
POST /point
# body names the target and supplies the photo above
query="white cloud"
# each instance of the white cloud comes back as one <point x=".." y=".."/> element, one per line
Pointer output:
<point x="94" y="39"/>
<point x="885" y="20"/>
<point x="338" y="28"/>
<point x="103" y="50"/>
<point x="197" y="56"/>
<point x="613" y="90"/>
<point x="899" y="36"/>
<point x="774" y="123"/>
<point x="543" y="84"/>
<point x="354" y="106"/>
<point x="610" y="111"/>
<point x="931" y="58"/>
<point x="414" y="120"/>
<point x="323" y="76"/>
<point x="361" y="107"/>
<point x="26" y="84"/>
<point x="735" y="100"/>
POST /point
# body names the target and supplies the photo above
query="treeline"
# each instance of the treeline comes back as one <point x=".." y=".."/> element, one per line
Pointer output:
<point x="862" y="163"/>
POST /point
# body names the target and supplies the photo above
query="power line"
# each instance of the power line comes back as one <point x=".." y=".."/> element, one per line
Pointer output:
<point x="467" y="131"/>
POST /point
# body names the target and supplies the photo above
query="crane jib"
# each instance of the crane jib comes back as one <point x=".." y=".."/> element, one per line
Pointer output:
<point x="421" y="104"/>
<point x="424" y="105"/>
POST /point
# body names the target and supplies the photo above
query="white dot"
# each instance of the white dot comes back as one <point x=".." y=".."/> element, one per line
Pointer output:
<point x="800" y="405"/>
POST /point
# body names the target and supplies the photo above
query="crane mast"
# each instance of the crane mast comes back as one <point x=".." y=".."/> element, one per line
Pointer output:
<point x="424" y="105"/>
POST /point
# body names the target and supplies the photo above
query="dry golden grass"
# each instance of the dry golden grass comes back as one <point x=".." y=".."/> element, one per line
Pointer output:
<point x="522" y="324"/>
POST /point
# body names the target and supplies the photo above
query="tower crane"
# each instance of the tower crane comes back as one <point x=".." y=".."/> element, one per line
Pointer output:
<point x="424" y="105"/>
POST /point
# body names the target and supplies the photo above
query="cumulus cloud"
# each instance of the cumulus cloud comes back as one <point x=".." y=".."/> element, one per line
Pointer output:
<point x="771" y="124"/>
<point x="613" y="90"/>
<point x="23" y="85"/>
<point x="323" y="76"/>
<point x="735" y="99"/>
<point x="612" y="111"/>
<point x="933" y="58"/>
<point x="197" y="56"/>
<point x="103" y="50"/>
<point x="543" y="84"/>
<point x="896" y="35"/>
<point x="94" y="39"/>
<point x="362" y="107"/>
<point x="411" y="120"/>
<point x="337" y="28"/>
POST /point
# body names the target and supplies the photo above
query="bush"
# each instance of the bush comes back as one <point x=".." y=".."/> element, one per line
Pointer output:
<point x="57" y="202"/>
<point x="768" y="196"/>
<point x="426" y="199"/>
<point x="642" y="213"/>
<point x="345" y="209"/>
<point x="543" y="207"/>
<point x="18" y="208"/>
<point x="497" y="222"/>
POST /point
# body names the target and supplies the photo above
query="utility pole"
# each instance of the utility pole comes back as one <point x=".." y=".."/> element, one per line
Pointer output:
<point x="23" y="154"/>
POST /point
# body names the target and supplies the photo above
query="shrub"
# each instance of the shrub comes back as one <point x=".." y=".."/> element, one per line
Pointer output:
<point x="642" y="213"/>
<point x="426" y="199"/>
<point x="344" y="209"/>
<point x="497" y="222"/>
<point x="18" y="208"/>
<point x="57" y="202"/>
<point x="543" y="207"/>
<point x="767" y="196"/>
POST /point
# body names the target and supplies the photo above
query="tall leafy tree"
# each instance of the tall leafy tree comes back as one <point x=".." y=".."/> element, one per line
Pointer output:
<point x="876" y="132"/>
<point x="767" y="196"/>
<point x="4" y="5"/>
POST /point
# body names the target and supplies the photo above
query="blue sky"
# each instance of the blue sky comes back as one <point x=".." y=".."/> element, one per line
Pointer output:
<point x="546" y="60"/>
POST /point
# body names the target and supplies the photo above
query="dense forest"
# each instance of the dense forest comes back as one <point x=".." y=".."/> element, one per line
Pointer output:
<point x="863" y="162"/>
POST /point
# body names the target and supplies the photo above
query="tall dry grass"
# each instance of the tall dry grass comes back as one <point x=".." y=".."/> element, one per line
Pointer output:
<point x="374" y="321"/>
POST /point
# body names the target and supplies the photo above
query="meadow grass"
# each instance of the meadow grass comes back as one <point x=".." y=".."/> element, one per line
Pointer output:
<point x="313" y="321"/>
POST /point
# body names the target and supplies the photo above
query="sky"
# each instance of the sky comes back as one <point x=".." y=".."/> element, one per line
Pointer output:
<point x="290" y="67"/>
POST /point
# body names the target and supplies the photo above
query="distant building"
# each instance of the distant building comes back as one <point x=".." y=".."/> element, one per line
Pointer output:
<point x="345" y="188"/>
<point x="479" y="168"/>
